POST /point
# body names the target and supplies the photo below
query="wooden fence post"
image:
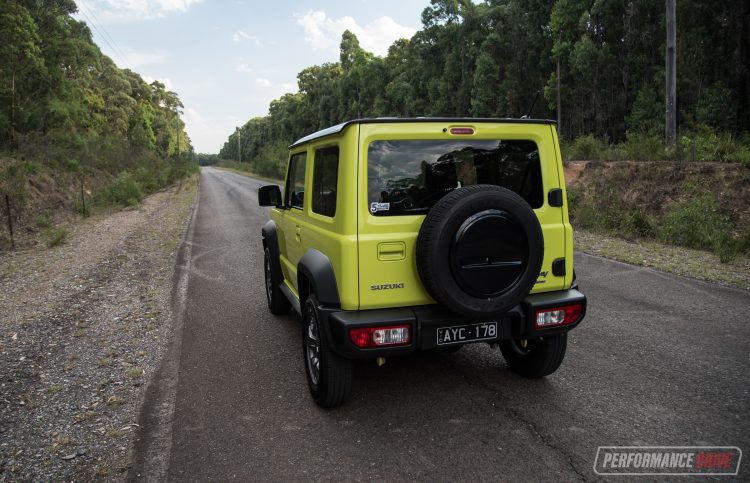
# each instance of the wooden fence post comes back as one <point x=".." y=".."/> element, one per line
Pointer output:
<point x="83" y="201"/>
<point x="10" y="222"/>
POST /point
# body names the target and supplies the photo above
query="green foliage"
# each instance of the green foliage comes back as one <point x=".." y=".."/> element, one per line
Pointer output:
<point x="13" y="185"/>
<point x="272" y="160"/>
<point x="43" y="221"/>
<point x="642" y="147"/>
<point x="647" y="114"/>
<point x="696" y="222"/>
<point x="583" y="148"/>
<point x="490" y="58"/>
<point x="61" y="98"/>
<point x="124" y="190"/>
<point x="702" y="145"/>
<point x="205" y="159"/>
<point x="70" y="115"/>
<point x="484" y="95"/>
<point x="54" y="236"/>
<point x="609" y="214"/>
<point x="707" y="145"/>
<point x="73" y="165"/>
<point x="715" y="106"/>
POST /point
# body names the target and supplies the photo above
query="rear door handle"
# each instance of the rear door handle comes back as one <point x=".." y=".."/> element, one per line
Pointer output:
<point x="298" y="234"/>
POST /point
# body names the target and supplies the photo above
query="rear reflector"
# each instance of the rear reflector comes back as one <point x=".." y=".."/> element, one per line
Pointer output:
<point x="380" y="336"/>
<point x="556" y="316"/>
<point x="462" y="130"/>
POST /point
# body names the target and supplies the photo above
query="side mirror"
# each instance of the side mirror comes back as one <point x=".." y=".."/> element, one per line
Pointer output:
<point x="269" y="195"/>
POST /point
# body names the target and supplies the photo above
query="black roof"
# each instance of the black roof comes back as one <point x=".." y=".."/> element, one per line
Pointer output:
<point x="384" y="120"/>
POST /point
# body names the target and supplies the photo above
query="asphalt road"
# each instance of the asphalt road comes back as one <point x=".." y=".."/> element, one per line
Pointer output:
<point x="659" y="360"/>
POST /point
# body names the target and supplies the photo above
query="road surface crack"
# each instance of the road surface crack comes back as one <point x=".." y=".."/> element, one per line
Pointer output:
<point x="475" y="381"/>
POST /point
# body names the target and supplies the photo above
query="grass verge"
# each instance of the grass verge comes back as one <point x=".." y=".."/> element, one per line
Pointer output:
<point x="679" y="260"/>
<point x="249" y="174"/>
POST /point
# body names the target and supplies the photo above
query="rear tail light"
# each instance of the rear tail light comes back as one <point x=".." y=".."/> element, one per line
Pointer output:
<point x="462" y="131"/>
<point x="380" y="336"/>
<point x="556" y="316"/>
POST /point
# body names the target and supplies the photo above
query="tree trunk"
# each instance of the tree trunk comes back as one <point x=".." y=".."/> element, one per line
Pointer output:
<point x="671" y="81"/>
<point x="13" y="110"/>
<point x="743" y="58"/>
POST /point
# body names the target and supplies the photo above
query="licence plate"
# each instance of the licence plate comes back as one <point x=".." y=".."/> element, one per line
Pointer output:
<point x="466" y="333"/>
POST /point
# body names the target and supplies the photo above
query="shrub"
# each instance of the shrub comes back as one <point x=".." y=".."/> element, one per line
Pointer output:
<point x="702" y="144"/>
<point x="124" y="190"/>
<point x="149" y="179"/>
<point x="638" y="224"/>
<point x="55" y="236"/>
<point x="574" y="198"/>
<point x="73" y="165"/>
<point x="584" y="148"/>
<point x="706" y="145"/>
<point x="643" y="147"/>
<point x="696" y="223"/>
<point x="43" y="221"/>
<point x="599" y="214"/>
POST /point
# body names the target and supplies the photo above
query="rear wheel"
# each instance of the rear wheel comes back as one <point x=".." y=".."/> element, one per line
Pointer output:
<point x="537" y="357"/>
<point x="328" y="375"/>
<point x="277" y="302"/>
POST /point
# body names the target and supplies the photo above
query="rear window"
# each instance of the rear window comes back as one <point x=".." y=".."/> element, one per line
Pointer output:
<point x="408" y="177"/>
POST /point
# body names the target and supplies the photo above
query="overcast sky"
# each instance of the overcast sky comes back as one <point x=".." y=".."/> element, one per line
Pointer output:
<point x="228" y="59"/>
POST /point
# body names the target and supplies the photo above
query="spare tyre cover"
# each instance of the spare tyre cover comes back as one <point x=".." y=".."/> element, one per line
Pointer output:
<point x="479" y="250"/>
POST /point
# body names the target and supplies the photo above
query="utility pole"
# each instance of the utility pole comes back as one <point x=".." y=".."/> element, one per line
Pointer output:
<point x="239" y="144"/>
<point x="559" y="104"/>
<point x="671" y="67"/>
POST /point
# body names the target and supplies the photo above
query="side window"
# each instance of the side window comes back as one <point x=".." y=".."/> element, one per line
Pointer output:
<point x="325" y="178"/>
<point x="295" y="182"/>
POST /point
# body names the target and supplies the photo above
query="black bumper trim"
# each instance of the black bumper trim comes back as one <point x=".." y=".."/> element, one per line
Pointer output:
<point x="426" y="319"/>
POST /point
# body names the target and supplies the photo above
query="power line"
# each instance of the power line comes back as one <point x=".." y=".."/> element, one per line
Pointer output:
<point x="120" y="51"/>
<point x="104" y="37"/>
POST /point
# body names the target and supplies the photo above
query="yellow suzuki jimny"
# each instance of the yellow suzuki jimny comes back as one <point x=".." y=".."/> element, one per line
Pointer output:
<point x="399" y="235"/>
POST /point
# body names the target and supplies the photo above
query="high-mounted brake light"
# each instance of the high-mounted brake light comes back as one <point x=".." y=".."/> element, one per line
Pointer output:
<point x="552" y="317"/>
<point x="462" y="130"/>
<point x="380" y="336"/>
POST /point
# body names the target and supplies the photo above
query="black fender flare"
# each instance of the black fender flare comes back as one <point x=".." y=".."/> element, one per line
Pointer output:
<point x="317" y="268"/>
<point x="271" y="242"/>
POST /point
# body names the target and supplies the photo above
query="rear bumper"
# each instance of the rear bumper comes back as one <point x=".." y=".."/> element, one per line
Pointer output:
<point x="424" y="322"/>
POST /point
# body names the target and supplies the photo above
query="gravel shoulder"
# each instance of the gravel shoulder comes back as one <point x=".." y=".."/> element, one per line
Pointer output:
<point x="83" y="327"/>
<point x="679" y="260"/>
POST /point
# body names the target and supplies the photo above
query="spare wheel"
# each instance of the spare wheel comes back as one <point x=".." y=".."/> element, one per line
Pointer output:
<point x="479" y="250"/>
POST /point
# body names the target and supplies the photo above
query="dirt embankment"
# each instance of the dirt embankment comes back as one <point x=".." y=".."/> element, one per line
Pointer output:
<point x="651" y="189"/>
<point x="42" y="198"/>
<point x="82" y="328"/>
<point x="654" y="186"/>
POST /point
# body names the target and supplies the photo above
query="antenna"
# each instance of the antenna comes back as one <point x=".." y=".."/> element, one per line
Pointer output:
<point x="532" y="105"/>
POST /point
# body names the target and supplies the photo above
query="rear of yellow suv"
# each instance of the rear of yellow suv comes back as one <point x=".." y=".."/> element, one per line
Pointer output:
<point x="442" y="232"/>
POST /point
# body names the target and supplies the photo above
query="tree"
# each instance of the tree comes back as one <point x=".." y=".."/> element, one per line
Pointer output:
<point x="600" y="64"/>
<point x="484" y="91"/>
<point x="19" y="54"/>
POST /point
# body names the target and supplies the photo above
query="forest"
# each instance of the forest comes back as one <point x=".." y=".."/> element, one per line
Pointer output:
<point x="510" y="58"/>
<point x="69" y="113"/>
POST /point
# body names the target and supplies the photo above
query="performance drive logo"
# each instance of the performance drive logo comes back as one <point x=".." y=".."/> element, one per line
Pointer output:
<point x="667" y="460"/>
